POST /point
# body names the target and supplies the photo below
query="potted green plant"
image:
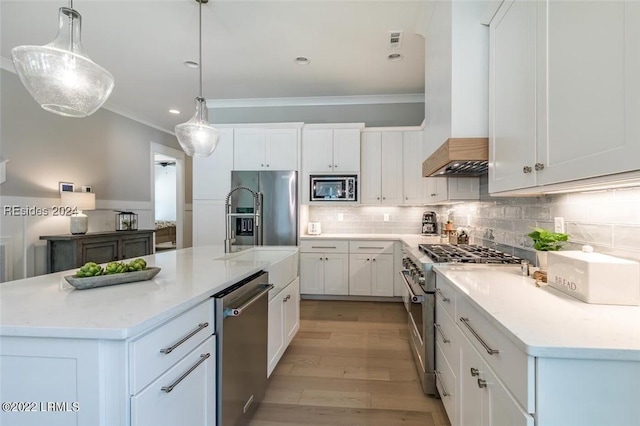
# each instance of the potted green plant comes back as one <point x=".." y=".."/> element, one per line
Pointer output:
<point x="545" y="241"/>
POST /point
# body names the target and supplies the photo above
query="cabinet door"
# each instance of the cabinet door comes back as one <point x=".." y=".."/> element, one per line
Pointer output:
<point x="312" y="276"/>
<point x="591" y="70"/>
<point x="99" y="251"/>
<point x="346" y="150"/>
<point x="281" y="149"/>
<point x="471" y="370"/>
<point x="512" y="96"/>
<point x="412" y="181"/>
<point x="208" y="222"/>
<point x="212" y="174"/>
<point x="360" y="274"/>
<point x="437" y="189"/>
<point x="500" y="407"/>
<point x="276" y="338"/>
<point x="292" y="311"/>
<point x="317" y="151"/>
<point x="370" y="176"/>
<point x="391" y="166"/>
<point x="191" y="402"/>
<point x="135" y="246"/>
<point x="382" y="275"/>
<point x="249" y="149"/>
<point x="336" y="274"/>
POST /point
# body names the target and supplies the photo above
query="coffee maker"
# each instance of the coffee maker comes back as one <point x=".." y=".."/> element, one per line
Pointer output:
<point x="429" y="223"/>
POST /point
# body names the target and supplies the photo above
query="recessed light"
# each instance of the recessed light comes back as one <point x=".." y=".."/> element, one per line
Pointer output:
<point x="301" y="60"/>
<point x="394" y="57"/>
<point x="174" y="111"/>
<point x="191" y="64"/>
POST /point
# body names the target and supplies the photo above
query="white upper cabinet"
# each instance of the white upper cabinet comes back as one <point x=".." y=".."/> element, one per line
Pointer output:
<point x="265" y="149"/>
<point x="212" y="174"/>
<point x="512" y="147"/>
<point x="565" y="92"/>
<point x="381" y="177"/>
<point x="330" y="150"/>
<point x="414" y="185"/>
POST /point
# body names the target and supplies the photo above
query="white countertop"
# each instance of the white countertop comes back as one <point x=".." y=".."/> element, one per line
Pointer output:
<point x="545" y="322"/>
<point x="47" y="306"/>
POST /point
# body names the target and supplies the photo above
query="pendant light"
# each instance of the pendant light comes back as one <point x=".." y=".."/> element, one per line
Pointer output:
<point x="197" y="137"/>
<point x="59" y="75"/>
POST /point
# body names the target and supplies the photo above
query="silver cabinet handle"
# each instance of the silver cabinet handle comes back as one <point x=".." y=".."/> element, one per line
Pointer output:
<point x="326" y="258"/>
<point x="444" y="338"/>
<point x="444" y="390"/>
<point x="335" y="166"/>
<point x="442" y="296"/>
<point x="384" y="198"/>
<point x="538" y="167"/>
<point x="234" y="312"/>
<point x="169" y="388"/>
<point x="368" y="259"/>
<point x="406" y="198"/>
<point x="170" y="349"/>
<point x="433" y="195"/>
<point x="526" y="169"/>
<point x="267" y="165"/>
<point x="377" y="198"/>
<point x="324" y="247"/>
<point x="474" y="372"/>
<point x="321" y="258"/>
<point x="490" y="351"/>
<point x="330" y="166"/>
<point x="482" y="383"/>
<point x="286" y="298"/>
<point x="371" y="247"/>
<point x="374" y="259"/>
<point x="261" y="165"/>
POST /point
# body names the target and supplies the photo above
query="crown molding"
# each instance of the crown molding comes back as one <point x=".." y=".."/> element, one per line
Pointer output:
<point x="316" y="101"/>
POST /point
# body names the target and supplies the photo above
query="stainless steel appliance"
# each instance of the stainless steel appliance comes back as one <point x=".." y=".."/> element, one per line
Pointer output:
<point x="429" y="223"/>
<point x="333" y="188"/>
<point x="420" y="296"/>
<point x="263" y="209"/>
<point x="241" y="348"/>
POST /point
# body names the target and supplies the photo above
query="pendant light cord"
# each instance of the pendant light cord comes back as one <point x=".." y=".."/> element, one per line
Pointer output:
<point x="71" y="27"/>
<point x="200" y="44"/>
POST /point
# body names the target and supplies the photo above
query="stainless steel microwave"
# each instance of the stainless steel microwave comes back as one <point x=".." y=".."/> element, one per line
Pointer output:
<point x="333" y="188"/>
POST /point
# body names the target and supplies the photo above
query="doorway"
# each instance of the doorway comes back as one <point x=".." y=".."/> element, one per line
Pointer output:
<point x="167" y="196"/>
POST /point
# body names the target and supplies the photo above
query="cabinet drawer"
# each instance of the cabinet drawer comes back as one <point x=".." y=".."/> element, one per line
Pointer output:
<point x="446" y="296"/>
<point x="448" y="337"/>
<point x="155" y="352"/>
<point x="324" y="246"/>
<point x="446" y="384"/>
<point x="375" y="247"/>
<point x="511" y="364"/>
<point x="191" y="401"/>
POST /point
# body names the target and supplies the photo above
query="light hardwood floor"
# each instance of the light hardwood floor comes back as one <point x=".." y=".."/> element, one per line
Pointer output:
<point x="350" y="364"/>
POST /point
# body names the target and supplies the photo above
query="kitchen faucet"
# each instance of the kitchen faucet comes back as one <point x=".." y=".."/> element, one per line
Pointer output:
<point x="256" y="215"/>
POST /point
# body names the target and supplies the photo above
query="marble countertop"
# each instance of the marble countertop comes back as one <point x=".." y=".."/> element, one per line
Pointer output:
<point x="543" y="321"/>
<point x="47" y="306"/>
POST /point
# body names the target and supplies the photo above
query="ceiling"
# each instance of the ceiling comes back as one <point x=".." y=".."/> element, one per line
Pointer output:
<point x="249" y="49"/>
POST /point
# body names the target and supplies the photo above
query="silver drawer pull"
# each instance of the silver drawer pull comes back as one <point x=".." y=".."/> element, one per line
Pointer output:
<point x="490" y="351"/>
<point x="444" y="338"/>
<point x="474" y="372"/>
<point x="482" y="383"/>
<point x="169" y="388"/>
<point x="444" y="390"/>
<point x="325" y="247"/>
<point x="235" y="312"/>
<point x="170" y="349"/>
<point x="374" y="248"/>
<point x="442" y="296"/>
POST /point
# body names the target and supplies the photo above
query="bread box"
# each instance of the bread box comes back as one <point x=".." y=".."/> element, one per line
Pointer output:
<point x="595" y="277"/>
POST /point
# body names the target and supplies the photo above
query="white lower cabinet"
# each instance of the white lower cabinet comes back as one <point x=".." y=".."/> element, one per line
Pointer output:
<point x="324" y="267"/>
<point x="371" y="275"/>
<point x="184" y="395"/>
<point x="284" y="322"/>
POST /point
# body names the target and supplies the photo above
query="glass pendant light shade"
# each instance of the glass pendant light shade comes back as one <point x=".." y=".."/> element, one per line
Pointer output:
<point x="197" y="137"/>
<point x="59" y="75"/>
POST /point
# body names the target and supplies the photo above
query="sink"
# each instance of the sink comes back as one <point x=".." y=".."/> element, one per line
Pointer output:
<point x="283" y="263"/>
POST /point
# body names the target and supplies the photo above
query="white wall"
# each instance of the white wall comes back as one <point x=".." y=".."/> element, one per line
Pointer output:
<point x="165" y="196"/>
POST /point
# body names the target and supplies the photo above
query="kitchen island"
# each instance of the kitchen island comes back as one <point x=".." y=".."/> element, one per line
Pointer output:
<point x="81" y="357"/>
<point x="515" y="353"/>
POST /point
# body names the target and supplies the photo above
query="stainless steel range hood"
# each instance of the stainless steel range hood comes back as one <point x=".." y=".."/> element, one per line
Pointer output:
<point x="458" y="157"/>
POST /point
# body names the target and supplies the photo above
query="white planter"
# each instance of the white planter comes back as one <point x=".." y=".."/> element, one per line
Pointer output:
<point x="542" y="260"/>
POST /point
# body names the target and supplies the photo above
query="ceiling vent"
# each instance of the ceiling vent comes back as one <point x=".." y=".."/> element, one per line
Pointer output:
<point x="395" y="39"/>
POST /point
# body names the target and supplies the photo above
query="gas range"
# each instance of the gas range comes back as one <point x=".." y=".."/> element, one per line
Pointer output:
<point x="466" y="253"/>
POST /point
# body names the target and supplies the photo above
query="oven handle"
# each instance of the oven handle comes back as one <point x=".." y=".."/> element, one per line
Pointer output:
<point x="414" y="297"/>
<point x="234" y="312"/>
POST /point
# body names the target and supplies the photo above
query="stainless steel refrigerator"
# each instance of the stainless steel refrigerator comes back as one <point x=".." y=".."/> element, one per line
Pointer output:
<point x="279" y="208"/>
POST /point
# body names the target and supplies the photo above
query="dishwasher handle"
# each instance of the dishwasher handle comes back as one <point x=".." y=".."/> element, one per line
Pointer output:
<point x="235" y="312"/>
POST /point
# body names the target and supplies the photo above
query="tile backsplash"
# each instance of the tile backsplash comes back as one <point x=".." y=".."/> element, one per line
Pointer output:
<point x="368" y="219"/>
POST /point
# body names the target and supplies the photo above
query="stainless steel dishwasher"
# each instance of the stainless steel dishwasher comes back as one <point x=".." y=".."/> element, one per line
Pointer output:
<point x="241" y="327"/>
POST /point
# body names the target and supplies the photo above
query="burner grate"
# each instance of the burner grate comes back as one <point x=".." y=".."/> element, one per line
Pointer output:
<point x="467" y="253"/>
